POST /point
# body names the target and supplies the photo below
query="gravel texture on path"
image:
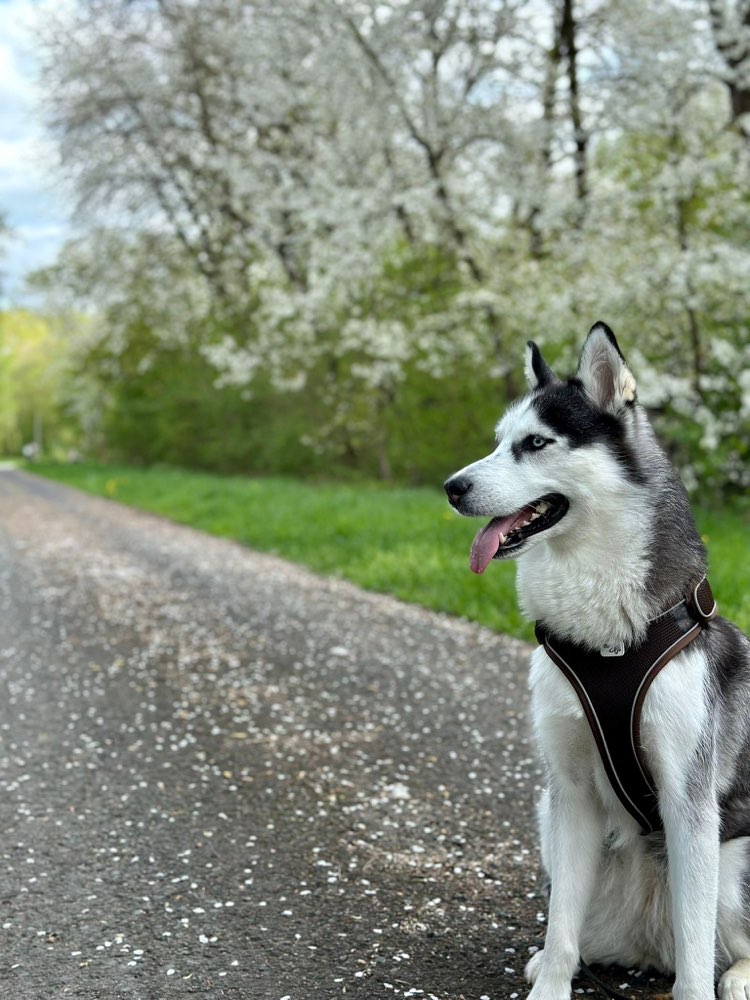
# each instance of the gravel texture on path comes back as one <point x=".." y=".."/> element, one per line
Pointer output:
<point x="224" y="776"/>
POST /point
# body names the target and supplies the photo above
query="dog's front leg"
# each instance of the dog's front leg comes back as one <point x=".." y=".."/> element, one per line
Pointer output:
<point x="692" y="833"/>
<point x="678" y="725"/>
<point x="573" y="834"/>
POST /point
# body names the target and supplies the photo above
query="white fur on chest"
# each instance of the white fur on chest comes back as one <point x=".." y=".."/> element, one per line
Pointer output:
<point x="590" y="588"/>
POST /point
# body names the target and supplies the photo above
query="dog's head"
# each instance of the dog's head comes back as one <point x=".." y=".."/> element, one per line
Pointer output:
<point x="564" y="452"/>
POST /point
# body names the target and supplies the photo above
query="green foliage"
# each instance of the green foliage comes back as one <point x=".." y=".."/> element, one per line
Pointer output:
<point x="435" y="426"/>
<point x="34" y="371"/>
<point x="390" y="388"/>
<point x="173" y="413"/>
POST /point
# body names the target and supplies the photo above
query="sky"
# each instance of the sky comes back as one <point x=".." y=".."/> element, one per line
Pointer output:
<point x="31" y="199"/>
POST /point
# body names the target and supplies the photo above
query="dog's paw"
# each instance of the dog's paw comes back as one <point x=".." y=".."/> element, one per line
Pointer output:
<point x="735" y="983"/>
<point x="556" y="992"/>
<point x="547" y="984"/>
<point x="533" y="966"/>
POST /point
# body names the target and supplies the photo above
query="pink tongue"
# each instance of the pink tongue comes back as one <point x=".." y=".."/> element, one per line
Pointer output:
<point x="486" y="544"/>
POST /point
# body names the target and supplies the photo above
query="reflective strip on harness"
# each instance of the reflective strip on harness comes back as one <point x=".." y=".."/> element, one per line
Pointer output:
<point x="611" y="686"/>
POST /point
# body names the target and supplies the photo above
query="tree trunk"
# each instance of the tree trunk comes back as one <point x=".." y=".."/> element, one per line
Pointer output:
<point x="568" y="31"/>
<point x="554" y="56"/>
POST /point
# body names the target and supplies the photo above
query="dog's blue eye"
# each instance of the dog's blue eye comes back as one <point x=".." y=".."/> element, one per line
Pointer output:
<point x="532" y="442"/>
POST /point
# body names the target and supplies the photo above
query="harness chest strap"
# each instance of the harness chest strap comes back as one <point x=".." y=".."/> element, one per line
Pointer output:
<point x="611" y="685"/>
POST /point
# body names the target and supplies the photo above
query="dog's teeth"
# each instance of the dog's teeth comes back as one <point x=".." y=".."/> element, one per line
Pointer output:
<point x="534" y="516"/>
<point x="542" y="506"/>
<point x="502" y="537"/>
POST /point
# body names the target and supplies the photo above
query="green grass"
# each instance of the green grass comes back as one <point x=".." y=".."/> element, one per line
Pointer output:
<point x="400" y="541"/>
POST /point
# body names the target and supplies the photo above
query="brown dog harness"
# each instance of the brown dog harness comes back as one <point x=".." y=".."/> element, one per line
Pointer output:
<point x="611" y="685"/>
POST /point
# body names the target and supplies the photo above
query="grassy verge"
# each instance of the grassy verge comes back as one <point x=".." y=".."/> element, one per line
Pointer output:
<point x="401" y="541"/>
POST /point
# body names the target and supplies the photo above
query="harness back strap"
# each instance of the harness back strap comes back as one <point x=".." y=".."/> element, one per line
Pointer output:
<point x="611" y="685"/>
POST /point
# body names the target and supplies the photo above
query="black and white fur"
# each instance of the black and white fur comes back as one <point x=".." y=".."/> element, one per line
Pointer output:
<point x="626" y="549"/>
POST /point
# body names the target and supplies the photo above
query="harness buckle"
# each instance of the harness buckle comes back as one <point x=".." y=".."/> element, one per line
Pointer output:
<point x="700" y="602"/>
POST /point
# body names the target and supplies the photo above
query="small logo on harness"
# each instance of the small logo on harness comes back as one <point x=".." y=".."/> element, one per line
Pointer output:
<point x="613" y="649"/>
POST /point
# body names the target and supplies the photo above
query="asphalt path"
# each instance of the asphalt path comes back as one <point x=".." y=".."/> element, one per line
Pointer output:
<point x="223" y="776"/>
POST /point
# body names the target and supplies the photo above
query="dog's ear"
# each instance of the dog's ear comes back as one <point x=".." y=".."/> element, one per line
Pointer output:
<point x="602" y="369"/>
<point x="538" y="372"/>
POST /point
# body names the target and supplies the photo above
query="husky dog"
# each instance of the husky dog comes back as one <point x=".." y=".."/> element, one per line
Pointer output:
<point x="581" y="493"/>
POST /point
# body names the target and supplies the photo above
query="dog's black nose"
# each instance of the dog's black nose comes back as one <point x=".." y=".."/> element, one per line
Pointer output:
<point x="457" y="487"/>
